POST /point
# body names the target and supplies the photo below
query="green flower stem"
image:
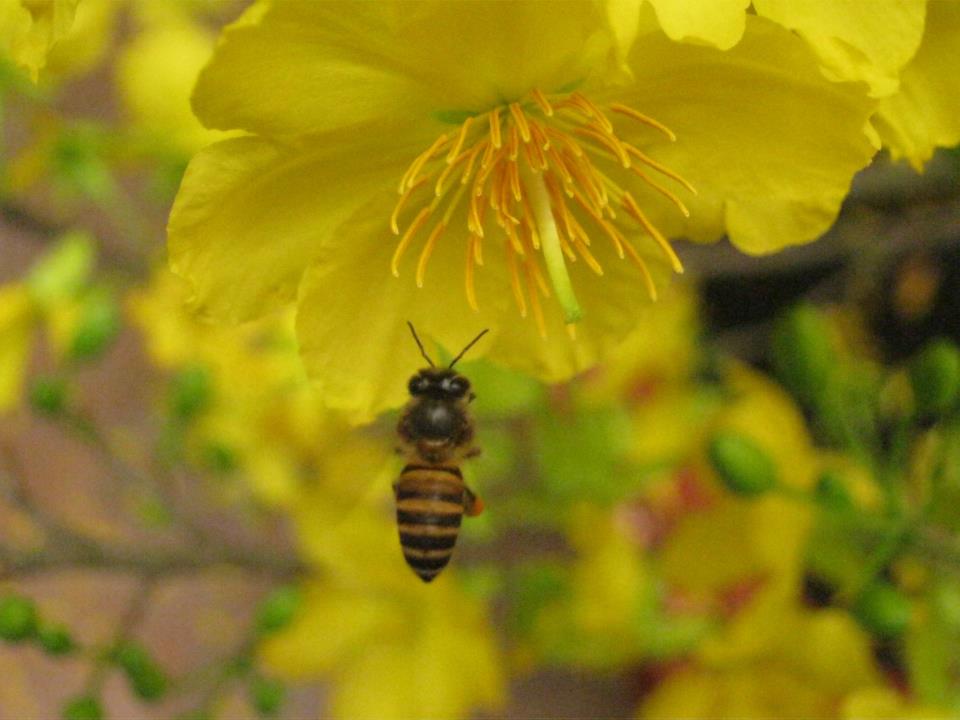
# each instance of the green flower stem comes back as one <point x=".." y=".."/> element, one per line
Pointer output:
<point x="550" y="242"/>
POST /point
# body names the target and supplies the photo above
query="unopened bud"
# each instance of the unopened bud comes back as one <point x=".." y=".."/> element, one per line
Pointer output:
<point x="55" y="640"/>
<point x="935" y="376"/>
<point x="831" y="492"/>
<point x="267" y="696"/>
<point x="742" y="465"/>
<point x="190" y="392"/>
<point x="883" y="610"/>
<point x="278" y="609"/>
<point x="146" y="679"/>
<point x="84" y="707"/>
<point x="98" y="326"/>
<point x="48" y="395"/>
<point x="803" y="354"/>
<point x="18" y="618"/>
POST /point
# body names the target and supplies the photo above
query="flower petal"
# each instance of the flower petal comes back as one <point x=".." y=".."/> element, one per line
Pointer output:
<point x="251" y="213"/>
<point x="924" y="114"/>
<point x="16" y="329"/>
<point x="718" y="23"/>
<point x="855" y="41"/>
<point x="768" y="142"/>
<point x="28" y="30"/>
<point x="313" y="66"/>
<point x="351" y="322"/>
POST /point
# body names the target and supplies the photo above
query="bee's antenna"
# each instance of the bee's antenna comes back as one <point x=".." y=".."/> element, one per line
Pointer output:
<point x="469" y="345"/>
<point x="420" y="344"/>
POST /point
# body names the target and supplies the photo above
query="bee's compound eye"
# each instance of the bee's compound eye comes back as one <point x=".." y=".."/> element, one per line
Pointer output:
<point x="418" y="385"/>
<point x="457" y="386"/>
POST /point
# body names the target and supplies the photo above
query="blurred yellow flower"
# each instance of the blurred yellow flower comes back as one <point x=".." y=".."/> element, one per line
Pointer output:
<point x="156" y="71"/>
<point x="347" y="101"/>
<point x="923" y="115"/>
<point x="404" y="651"/>
<point x="16" y="332"/>
<point x="853" y="41"/>
<point x="52" y="297"/>
<point x="30" y="28"/>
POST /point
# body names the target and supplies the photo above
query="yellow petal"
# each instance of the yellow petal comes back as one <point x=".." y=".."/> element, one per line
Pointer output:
<point x="155" y="74"/>
<point x="718" y="23"/>
<point x="88" y="41"/>
<point x="311" y="66"/>
<point x="29" y="29"/>
<point x="351" y="322"/>
<point x="924" y="114"/>
<point x="15" y="332"/>
<point x="251" y="214"/>
<point x="855" y="41"/>
<point x="769" y="143"/>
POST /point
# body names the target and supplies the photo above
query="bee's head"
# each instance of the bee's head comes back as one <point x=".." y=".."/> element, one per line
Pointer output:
<point x="438" y="383"/>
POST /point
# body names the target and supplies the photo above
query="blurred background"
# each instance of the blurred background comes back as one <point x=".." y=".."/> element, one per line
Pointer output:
<point x="756" y="515"/>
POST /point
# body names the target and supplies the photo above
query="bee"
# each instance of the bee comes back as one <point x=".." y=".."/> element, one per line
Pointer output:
<point x="436" y="435"/>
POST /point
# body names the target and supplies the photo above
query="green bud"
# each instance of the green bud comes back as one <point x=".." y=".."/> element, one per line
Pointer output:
<point x="48" y="395"/>
<point x="742" y="465"/>
<point x="803" y="355"/>
<point x="84" y="707"/>
<point x="146" y="679"/>
<point x="78" y="163"/>
<point x="190" y="391"/>
<point x="266" y="696"/>
<point x="55" y="640"/>
<point x="98" y="326"/>
<point x="883" y="610"/>
<point x="935" y="375"/>
<point x="831" y="492"/>
<point x="219" y="458"/>
<point x="278" y="609"/>
<point x="18" y="618"/>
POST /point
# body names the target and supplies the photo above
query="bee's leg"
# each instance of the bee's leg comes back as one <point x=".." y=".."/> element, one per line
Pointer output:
<point x="472" y="504"/>
<point x="471" y="397"/>
<point x="472" y="453"/>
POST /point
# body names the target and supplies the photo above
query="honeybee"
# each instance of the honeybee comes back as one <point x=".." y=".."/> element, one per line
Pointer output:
<point x="436" y="435"/>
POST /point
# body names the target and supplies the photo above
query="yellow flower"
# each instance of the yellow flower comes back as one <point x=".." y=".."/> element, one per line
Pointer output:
<point x="16" y="332"/>
<point x="923" y="114"/>
<point x="409" y="651"/>
<point x="156" y="71"/>
<point x="524" y="173"/>
<point x="30" y="28"/>
<point x="866" y="42"/>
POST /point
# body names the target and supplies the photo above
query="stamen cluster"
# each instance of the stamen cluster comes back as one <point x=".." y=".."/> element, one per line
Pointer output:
<point x="534" y="169"/>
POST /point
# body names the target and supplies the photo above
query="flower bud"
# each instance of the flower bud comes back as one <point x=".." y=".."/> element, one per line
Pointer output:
<point x="48" y="395"/>
<point x="278" y="609"/>
<point x="741" y="464"/>
<point x="146" y="679"/>
<point x="803" y="355"/>
<point x="84" y="707"/>
<point x="18" y="618"/>
<point x="831" y="492"/>
<point x="883" y="610"/>
<point x="190" y="391"/>
<point x="55" y="640"/>
<point x="219" y="458"/>
<point x="266" y="695"/>
<point x="98" y="326"/>
<point x="935" y="376"/>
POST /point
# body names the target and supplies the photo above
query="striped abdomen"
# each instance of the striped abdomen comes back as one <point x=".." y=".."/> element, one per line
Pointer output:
<point x="429" y="511"/>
